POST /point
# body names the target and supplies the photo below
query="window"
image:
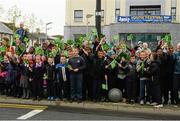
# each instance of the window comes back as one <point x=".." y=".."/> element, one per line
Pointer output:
<point x="117" y="12"/>
<point x="173" y="13"/>
<point x="145" y="10"/>
<point x="78" y="15"/>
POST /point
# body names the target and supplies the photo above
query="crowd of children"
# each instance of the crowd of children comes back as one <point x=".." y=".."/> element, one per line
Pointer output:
<point x="89" y="72"/>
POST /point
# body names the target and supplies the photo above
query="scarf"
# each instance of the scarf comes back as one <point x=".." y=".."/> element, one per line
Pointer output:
<point x="38" y="65"/>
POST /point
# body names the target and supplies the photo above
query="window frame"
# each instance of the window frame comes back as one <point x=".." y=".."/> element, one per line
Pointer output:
<point x="78" y="18"/>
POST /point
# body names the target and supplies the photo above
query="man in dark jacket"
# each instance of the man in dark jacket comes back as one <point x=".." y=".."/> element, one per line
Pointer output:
<point x="154" y="71"/>
<point x="162" y="58"/>
<point x="168" y="85"/>
<point x="176" y="80"/>
<point x="76" y="67"/>
<point x="22" y="32"/>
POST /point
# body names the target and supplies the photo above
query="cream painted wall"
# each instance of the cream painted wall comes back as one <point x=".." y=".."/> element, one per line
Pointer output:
<point x="89" y="6"/>
<point x="178" y="11"/>
<point x="167" y="7"/>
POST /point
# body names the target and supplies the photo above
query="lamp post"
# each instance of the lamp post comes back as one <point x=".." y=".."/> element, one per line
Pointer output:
<point x="47" y="29"/>
<point x="87" y="17"/>
<point x="98" y="17"/>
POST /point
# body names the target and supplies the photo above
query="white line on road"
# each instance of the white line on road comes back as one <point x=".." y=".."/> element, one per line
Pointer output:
<point x="30" y="114"/>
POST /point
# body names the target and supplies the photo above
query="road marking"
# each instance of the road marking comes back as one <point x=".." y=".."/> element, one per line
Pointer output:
<point x="30" y="114"/>
<point x="21" y="106"/>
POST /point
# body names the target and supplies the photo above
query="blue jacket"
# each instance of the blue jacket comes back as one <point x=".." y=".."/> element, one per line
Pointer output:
<point x="59" y="76"/>
<point x="177" y="63"/>
<point x="22" y="33"/>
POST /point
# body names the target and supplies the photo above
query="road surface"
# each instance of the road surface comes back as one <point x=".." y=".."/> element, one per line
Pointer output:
<point x="33" y="112"/>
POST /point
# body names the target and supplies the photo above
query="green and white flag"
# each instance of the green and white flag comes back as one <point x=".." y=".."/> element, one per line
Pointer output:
<point x="130" y="37"/>
<point x="39" y="50"/>
<point x="167" y="38"/>
<point x="94" y="32"/>
<point x="104" y="86"/>
<point x="115" y="37"/>
<point x="105" y="47"/>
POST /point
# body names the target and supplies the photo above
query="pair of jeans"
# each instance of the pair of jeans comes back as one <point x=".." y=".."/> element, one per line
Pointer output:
<point x="131" y="87"/>
<point x="76" y="80"/>
<point x="176" y="87"/>
<point x="145" y="84"/>
<point x="156" y="93"/>
<point x="50" y="88"/>
<point x="96" y="89"/>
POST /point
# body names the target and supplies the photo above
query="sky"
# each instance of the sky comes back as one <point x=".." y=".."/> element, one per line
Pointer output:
<point x="47" y="10"/>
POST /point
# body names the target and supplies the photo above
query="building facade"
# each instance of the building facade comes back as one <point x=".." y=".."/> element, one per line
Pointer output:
<point x="147" y="20"/>
<point x="5" y="31"/>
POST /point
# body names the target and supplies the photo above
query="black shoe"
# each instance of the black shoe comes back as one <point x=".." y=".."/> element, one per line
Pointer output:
<point x="34" y="99"/>
<point x="38" y="98"/>
<point x="71" y="101"/>
<point x="79" y="101"/>
<point x="165" y="103"/>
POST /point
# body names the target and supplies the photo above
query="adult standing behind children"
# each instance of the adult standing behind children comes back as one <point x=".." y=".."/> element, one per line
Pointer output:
<point x="176" y="78"/>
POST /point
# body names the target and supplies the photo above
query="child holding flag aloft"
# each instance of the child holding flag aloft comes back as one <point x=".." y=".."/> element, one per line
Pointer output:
<point x="121" y="75"/>
<point x="98" y="72"/>
<point x="111" y="70"/>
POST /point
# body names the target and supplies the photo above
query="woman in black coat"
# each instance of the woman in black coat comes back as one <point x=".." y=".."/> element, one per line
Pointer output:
<point x="154" y="71"/>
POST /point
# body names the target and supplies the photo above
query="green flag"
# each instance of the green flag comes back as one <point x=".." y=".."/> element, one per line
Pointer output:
<point x="16" y="36"/>
<point x="2" y="49"/>
<point x="66" y="53"/>
<point x="105" y="47"/>
<point x="130" y="37"/>
<point x="142" y="67"/>
<point x="51" y="55"/>
<point x="20" y="49"/>
<point x="104" y="86"/>
<point x="26" y="40"/>
<point x="167" y="38"/>
<point x="39" y="51"/>
<point x="124" y="55"/>
<point x="59" y="43"/>
<point x="113" y="64"/>
<point x="1" y="58"/>
<point x="94" y="32"/>
<point x="70" y="42"/>
<point x="115" y="38"/>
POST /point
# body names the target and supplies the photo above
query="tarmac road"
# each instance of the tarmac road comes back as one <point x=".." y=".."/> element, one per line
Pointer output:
<point x="36" y="112"/>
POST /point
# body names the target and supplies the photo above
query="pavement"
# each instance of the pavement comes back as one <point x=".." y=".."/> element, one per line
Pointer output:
<point x="169" y="110"/>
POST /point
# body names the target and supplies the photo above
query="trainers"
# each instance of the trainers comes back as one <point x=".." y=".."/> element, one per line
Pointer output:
<point x="175" y="106"/>
<point x="141" y="102"/>
<point x="49" y="98"/>
<point x="147" y="103"/>
<point x="158" y="106"/>
<point x="154" y="104"/>
<point x="52" y="98"/>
